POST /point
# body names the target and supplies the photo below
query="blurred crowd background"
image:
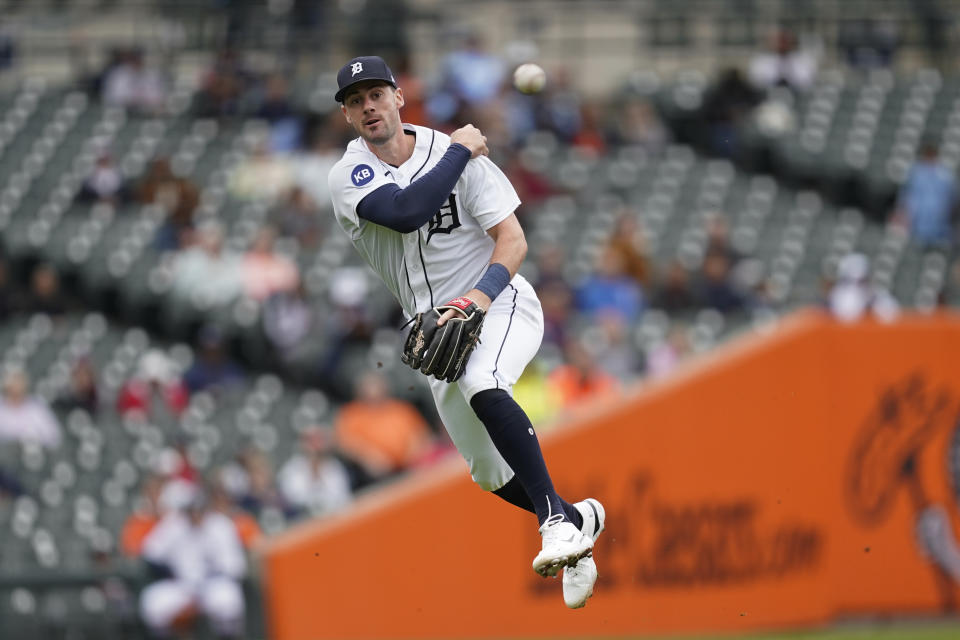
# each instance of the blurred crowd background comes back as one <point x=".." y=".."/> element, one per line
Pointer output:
<point x="194" y="358"/>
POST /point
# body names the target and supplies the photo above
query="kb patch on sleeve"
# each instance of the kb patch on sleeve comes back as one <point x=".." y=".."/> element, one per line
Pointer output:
<point x="361" y="175"/>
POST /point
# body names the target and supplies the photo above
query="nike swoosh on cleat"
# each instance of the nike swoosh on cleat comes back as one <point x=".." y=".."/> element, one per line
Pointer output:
<point x="570" y="539"/>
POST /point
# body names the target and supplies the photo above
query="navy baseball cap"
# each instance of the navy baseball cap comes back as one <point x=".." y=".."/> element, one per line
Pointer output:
<point x="360" y="69"/>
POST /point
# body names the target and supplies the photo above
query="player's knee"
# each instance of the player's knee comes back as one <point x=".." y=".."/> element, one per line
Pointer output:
<point x="223" y="601"/>
<point x="161" y="603"/>
<point x="485" y="402"/>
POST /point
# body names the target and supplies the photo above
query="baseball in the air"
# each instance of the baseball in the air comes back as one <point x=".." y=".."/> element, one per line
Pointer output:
<point x="529" y="78"/>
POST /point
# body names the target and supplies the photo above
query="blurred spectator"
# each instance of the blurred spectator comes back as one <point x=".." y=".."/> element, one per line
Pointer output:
<point x="178" y="195"/>
<point x="629" y="241"/>
<point x="46" y="296"/>
<point x="275" y="104"/>
<point x="532" y="187"/>
<point x="10" y="486"/>
<point x="555" y="293"/>
<point x="314" y="164"/>
<point x="470" y="77"/>
<point x="349" y="324"/>
<point x="560" y="108"/>
<point x="82" y="393"/>
<point x="928" y="199"/>
<point x="718" y="238"/>
<point x="637" y="123"/>
<point x="213" y="369"/>
<point x="205" y="273"/>
<point x="784" y="64"/>
<point x="145" y="515"/>
<point x="26" y="418"/>
<point x="105" y="183"/>
<point x="201" y="556"/>
<point x="674" y="294"/>
<point x="288" y="320"/>
<point x="179" y="479"/>
<point x="592" y="134"/>
<point x="286" y="127"/>
<point x="250" y="482"/>
<point x="668" y="354"/>
<point x="132" y="85"/>
<point x="264" y="271"/>
<point x="611" y="289"/>
<point x="611" y="347"/>
<point x="297" y="216"/>
<point x="556" y="299"/>
<point x="414" y="93"/>
<point x="8" y="47"/>
<point x="247" y="527"/>
<point x="852" y="297"/>
<point x="156" y="390"/>
<point x="8" y="294"/>
<point x="716" y="289"/>
<point x="262" y="175"/>
<point x="870" y="43"/>
<point x="727" y="103"/>
<point x="381" y="435"/>
<point x="314" y="481"/>
<point x="580" y="379"/>
<point x="223" y="87"/>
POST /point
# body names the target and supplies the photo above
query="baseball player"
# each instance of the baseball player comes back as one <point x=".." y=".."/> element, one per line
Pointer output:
<point x="434" y="217"/>
<point x="202" y="554"/>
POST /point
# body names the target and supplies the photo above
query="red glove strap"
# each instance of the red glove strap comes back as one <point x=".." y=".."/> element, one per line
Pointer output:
<point x="460" y="303"/>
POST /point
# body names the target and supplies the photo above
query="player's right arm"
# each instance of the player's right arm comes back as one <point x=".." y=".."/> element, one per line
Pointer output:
<point x="406" y="210"/>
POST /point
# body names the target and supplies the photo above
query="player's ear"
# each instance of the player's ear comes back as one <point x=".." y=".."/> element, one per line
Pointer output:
<point x="398" y="94"/>
<point x="343" y="110"/>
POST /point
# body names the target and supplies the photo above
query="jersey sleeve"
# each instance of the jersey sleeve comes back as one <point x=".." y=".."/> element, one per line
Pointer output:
<point x="350" y="182"/>
<point x="488" y="194"/>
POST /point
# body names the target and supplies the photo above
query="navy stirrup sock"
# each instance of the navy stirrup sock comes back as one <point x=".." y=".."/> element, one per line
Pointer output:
<point x="513" y="493"/>
<point x="513" y="436"/>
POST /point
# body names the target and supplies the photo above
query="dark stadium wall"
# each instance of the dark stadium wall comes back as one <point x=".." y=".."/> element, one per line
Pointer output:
<point x="787" y="479"/>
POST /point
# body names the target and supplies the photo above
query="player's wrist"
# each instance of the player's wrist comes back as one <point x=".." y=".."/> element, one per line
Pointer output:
<point x="479" y="298"/>
<point x="495" y="279"/>
<point x="458" y="148"/>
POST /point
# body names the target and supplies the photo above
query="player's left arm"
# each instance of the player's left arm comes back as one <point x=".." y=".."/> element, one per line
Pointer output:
<point x="509" y="250"/>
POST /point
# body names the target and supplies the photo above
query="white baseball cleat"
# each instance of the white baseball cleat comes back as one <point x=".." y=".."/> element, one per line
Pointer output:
<point x="578" y="579"/>
<point x="563" y="545"/>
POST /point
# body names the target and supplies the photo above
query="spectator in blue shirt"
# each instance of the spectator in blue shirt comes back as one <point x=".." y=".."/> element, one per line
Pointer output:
<point x="928" y="198"/>
<point x="611" y="290"/>
<point x="213" y="369"/>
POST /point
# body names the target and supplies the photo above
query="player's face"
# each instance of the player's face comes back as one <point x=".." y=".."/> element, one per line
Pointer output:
<point x="374" y="111"/>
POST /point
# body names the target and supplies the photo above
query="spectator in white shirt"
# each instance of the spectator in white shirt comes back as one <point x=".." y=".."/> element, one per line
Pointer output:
<point x="206" y="273"/>
<point x="314" y="480"/>
<point x="200" y="553"/>
<point x="26" y="418"/>
<point x="853" y="297"/>
<point x="784" y="64"/>
<point x="134" y="86"/>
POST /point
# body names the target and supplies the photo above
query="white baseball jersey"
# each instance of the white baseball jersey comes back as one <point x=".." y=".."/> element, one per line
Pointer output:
<point x="207" y="562"/>
<point x="440" y="261"/>
<point x="450" y="253"/>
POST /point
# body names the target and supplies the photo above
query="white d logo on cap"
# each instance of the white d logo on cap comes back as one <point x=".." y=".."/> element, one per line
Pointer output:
<point x="356" y="68"/>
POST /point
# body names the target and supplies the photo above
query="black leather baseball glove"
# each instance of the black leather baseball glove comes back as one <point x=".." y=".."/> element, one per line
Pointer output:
<point x="442" y="352"/>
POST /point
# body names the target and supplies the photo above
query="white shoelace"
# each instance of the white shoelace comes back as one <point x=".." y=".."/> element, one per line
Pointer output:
<point x="551" y="521"/>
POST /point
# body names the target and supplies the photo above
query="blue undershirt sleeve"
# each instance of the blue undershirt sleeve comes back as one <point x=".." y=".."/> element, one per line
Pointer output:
<point x="406" y="210"/>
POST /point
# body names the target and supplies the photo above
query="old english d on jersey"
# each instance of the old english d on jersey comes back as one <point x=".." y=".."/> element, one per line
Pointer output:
<point x="449" y="253"/>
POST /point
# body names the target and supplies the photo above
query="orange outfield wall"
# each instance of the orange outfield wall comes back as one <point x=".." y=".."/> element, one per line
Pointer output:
<point x="779" y="481"/>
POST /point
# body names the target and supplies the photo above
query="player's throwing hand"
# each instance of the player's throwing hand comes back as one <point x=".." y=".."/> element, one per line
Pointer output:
<point x="470" y="137"/>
